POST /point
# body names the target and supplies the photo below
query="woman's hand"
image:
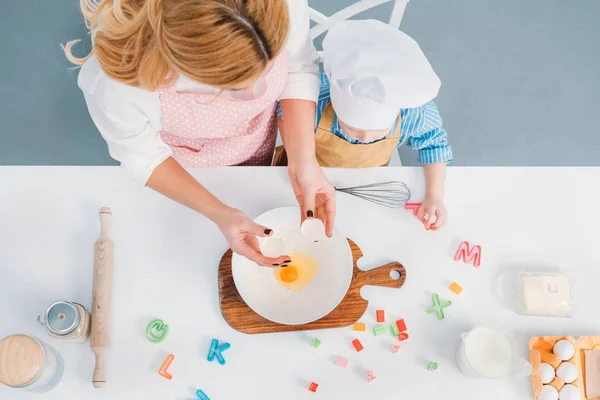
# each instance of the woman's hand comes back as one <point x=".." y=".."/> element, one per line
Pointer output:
<point x="241" y="232"/>
<point x="433" y="213"/>
<point x="314" y="192"/>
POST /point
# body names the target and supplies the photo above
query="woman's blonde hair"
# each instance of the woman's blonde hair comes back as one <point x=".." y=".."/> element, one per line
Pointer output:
<point x="148" y="43"/>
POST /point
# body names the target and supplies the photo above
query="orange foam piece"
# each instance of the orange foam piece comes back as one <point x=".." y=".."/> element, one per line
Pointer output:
<point x="165" y="365"/>
<point x="401" y="325"/>
<point x="380" y="316"/>
<point x="456" y="288"/>
<point x="359" y="326"/>
<point x="357" y="345"/>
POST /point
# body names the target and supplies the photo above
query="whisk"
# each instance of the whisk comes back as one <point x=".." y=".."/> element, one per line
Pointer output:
<point x="392" y="194"/>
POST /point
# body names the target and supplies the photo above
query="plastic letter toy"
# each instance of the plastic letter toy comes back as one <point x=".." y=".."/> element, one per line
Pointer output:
<point x="359" y="326"/>
<point x="316" y="343"/>
<point x="341" y="362"/>
<point x="414" y="207"/>
<point x="380" y="315"/>
<point x="357" y="345"/>
<point x="403" y="336"/>
<point x="201" y="395"/>
<point x="157" y="331"/>
<point x="313" y="387"/>
<point x="394" y="330"/>
<point x="378" y="330"/>
<point x="438" y="307"/>
<point x="401" y="325"/>
<point x="216" y="350"/>
<point x="370" y="376"/>
<point x="455" y="287"/>
<point x="432" y="366"/>
<point x="165" y="365"/>
<point x="469" y="255"/>
<point x="395" y="348"/>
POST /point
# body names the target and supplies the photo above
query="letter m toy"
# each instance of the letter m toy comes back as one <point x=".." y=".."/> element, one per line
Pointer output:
<point x="469" y="255"/>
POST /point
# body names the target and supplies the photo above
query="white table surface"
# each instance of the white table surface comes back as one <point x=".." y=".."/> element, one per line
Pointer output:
<point x="166" y="261"/>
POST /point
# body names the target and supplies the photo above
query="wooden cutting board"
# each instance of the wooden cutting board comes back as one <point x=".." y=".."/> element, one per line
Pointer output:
<point x="352" y="307"/>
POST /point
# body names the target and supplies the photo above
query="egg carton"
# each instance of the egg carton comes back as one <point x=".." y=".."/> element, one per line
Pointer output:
<point x="541" y="351"/>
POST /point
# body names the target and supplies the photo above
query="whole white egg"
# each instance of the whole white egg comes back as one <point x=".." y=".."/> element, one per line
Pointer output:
<point x="567" y="372"/>
<point x="548" y="393"/>
<point x="546" y="373"/>
<point x="564" y="349"/>
<point x="569" y="392"/>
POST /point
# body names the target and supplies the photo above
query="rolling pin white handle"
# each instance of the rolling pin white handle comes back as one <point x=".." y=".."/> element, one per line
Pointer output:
<point x="98" y="380"/>
<point x="105" y="223"/>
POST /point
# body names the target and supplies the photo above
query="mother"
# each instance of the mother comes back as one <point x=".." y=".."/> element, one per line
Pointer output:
<point x="194" y="83"/>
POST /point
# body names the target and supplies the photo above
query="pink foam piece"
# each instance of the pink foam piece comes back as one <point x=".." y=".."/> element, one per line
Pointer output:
<point x="370" y="376"/>
<point x="341" y="362"/>
<point x="395" y="348"/>
<point x="413" y="206"/>
<point x="469" y="255"/>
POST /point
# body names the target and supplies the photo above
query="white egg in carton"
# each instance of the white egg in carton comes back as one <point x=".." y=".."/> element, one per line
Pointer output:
<point x="558" y="371"/>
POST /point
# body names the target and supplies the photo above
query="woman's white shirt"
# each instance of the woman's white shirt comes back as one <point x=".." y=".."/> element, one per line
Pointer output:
<point x="130" y="119"/>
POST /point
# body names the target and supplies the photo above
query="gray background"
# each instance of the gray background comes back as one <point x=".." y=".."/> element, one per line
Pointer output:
<point x="520" y="80"/>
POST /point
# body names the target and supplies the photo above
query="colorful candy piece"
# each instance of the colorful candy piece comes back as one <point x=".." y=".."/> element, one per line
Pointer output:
<point x="413" y="206"/>
<point x="378" y="330"/>
<point x="432" y="366"/>
<point x="357" y="345"/>
<point x="401" y="325"/>
<point x="359" y="326"/>
<point x="201" y="395"/>
<point x="313" y="387"/>
<point x="165" y="365"/>
<point x="316" y="343"/>
<point x="370" y="376"/>
<point x="403" y="336"/>
<point x="216" y="350"/>
<point x="157" y="331"/>
<point x="394" y="330"/>
<point x="341" y="362"/>
<point x="469" y="255"/>
<point x="380" y="315"/>
<point x="455" y="287"/>
<point x="395" y="348"/>
<point x="438" y="307"/>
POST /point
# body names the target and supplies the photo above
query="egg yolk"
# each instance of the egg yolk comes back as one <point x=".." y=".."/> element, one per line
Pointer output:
<point x="301" y="271"/>
<point x="289" y="274"/>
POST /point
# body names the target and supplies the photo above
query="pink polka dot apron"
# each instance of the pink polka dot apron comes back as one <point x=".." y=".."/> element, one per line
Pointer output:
<point x="214" y="131"/>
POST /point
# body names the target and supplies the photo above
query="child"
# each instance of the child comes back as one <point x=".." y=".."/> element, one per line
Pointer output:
<point x="376" y="94"/>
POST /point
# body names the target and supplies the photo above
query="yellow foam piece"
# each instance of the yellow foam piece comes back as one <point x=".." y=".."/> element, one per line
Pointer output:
<point x="359" y="326"/>
<point x="456" y="288"/>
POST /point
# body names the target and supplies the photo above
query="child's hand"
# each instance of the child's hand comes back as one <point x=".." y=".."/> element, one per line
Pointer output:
<point x="241" y="232"/>
<point x="433" y="213"/>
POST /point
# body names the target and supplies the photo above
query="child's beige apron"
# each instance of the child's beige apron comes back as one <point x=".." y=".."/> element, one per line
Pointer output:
<point x="334" y="152"/>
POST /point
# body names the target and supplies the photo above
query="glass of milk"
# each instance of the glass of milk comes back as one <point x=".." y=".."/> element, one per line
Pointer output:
<point x="490" y="351"/>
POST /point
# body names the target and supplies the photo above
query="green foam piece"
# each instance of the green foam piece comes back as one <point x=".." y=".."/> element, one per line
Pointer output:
<point x="378" y="330"/>
<point x="316" y="343"/>
<point x="438" y="307"/>
<point x="394" y="330"/>
<point x="432" y="366"/>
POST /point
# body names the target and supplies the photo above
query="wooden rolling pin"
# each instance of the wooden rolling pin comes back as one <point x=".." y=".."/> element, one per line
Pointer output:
<point x="102" y="296"/>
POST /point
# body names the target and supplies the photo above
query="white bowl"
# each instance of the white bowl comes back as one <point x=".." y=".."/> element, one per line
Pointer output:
<point x="263" y="294"/>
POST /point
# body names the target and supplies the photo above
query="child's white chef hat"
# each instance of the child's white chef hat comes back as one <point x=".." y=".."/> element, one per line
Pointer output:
<point x="375" y="70"/>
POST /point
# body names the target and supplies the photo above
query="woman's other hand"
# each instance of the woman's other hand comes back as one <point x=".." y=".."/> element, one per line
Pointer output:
<point x="241" y="234"/>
